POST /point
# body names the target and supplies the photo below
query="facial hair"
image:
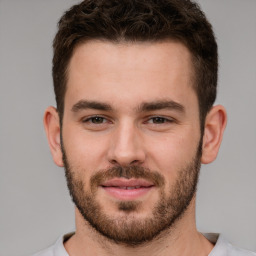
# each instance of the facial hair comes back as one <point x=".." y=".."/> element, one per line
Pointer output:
<point x="127" y="229"/>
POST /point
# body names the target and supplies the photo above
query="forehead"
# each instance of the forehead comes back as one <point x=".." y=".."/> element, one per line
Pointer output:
<point x="104" y="70"/>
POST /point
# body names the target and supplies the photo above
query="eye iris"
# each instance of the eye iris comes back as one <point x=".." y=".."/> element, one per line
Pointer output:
<point x="97" y="120"/>
<point x="158" y="120"/>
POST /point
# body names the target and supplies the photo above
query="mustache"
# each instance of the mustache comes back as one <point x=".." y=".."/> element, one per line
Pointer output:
<point x="127" y="172"/>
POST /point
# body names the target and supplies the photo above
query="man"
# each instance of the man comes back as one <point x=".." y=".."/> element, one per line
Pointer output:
<point x="135" y="82"/>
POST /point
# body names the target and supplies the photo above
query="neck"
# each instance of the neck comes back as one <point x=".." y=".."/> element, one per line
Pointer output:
<point x="181" y="239"/>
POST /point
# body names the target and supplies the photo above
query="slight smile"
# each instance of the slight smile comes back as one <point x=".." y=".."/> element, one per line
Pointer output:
<point x="127" y="189"/>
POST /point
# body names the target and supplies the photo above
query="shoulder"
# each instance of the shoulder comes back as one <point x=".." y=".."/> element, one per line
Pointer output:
<point x="224" y="248"/>
<point x="56" y="249"/>
<point x="234" y="251"/>
<point x="46" y="252"/>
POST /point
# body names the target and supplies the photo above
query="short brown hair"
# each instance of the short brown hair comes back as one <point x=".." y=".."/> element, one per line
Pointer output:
<point x="139" y="20"/>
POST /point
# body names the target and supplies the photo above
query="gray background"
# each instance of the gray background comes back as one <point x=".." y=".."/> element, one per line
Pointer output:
<point x="35" y="208"/>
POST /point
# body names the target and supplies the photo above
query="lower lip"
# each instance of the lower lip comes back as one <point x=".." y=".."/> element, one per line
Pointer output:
<point x="127" y="194"/>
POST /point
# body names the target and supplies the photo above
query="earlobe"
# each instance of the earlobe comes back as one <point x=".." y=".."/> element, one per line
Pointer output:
<point x="52" y="129"/>
<point x="215" y="124"/>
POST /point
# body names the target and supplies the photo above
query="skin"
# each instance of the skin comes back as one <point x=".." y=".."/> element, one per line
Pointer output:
<point x="125" y="76"/>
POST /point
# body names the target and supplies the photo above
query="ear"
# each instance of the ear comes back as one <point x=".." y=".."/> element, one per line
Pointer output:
<point x="215" y="124"/>
<point x="52" y="129"/>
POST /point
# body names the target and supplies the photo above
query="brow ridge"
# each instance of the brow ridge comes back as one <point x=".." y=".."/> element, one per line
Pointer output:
<point x="143" y="107"/>
<point x="85" y="104"/>
<point x="161" y="104"/>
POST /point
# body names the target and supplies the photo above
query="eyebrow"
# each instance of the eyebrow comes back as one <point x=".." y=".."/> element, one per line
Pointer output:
<point x="85" y="104"/>
<point x="143" y="107"/>
<point x="161" y="104"/>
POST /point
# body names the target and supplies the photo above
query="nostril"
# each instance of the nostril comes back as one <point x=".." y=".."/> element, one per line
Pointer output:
<point x="113" y="161"/>
<point x="126" y="163"/>
<point x="134" y="162"/>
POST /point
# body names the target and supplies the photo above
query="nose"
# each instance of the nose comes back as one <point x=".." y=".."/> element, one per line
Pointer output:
<point x="126" y="147"/>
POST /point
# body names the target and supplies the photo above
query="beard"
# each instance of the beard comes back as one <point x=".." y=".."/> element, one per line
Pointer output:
<point x="128" y="229"/>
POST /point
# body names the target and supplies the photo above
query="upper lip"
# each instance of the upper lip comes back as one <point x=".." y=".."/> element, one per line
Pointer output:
<point x="122" y="182"/>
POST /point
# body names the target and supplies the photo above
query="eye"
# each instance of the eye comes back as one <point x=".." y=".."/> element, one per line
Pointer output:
<point x="96" y="123"/>
<point x="98" y="120"/>
<point x="159" y="120"/>
<point x="95" y="120"/>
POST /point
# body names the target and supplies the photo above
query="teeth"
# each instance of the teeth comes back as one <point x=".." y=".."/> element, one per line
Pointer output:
<point x="129" y="188"/>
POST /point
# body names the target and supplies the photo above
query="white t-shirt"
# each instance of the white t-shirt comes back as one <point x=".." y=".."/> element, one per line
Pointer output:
<point x="222" y="247"/>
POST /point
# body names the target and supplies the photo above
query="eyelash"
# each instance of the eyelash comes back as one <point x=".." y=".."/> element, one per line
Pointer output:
<point x="163" y="119"/>
<point x="103" y="119"/>
<point x="89" y="119"/>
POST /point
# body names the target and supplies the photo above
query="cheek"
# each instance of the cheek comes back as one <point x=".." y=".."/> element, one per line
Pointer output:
<point x="84" y="150"/>
<point x="172" y="153"/>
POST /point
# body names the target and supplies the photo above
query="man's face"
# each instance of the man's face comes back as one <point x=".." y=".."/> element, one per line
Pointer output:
<point x="131" y="136"/>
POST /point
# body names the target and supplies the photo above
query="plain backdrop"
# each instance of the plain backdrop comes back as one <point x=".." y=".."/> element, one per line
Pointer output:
<point x="35" y="207"/>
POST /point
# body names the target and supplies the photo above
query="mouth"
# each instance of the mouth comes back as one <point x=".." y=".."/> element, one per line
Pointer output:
<point x="127" y="189"/>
